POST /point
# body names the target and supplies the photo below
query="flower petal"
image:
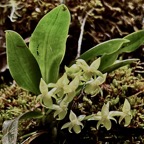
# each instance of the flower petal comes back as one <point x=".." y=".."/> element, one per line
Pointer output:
<point x="66" y="125"/>
<point x="74" y="83"/>
<point x="127" y="120"/>
<point x="63" y="80"/>
<point x="47" y="101"/>
<point x="99" y="123"/>
<point x="107" y="124"/>
<point x="69" y="97"/>
<point x="105" y="110"/>
<point x="72" y="116"/>
<point x="43" y="87"/>
<point x="82" y="64"/>
<point x="77" y="129"/>
<point x="95" y="117"/>
<point x="95" y="65"/>
<point x="126" y="107"/>
<point x="70" y="127"/>
<point x="122" y="117"/>
<point x="101" y="79"/>
<point x="62" y="115"/>
<point x="81" y="117"/>
<point x="115" y="113"/>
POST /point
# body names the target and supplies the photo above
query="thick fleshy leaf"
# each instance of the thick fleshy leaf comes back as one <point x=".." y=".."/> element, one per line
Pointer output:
<point x="10" y="127"/>
<point x="107" y="60"/>
<point x="136" y="40"/>
<point x="22" y="64"/>
<point x="118" y="64"/>
<point x="107" y="47"/>
<point x="48" y="42"/>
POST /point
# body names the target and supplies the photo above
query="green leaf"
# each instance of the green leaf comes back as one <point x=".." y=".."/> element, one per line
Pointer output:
<point x="107" y="60"/>
<point x="10" y="127"/>
<point x="10" y="131"/>
<point x="23" y="66"/>
<point x="48" y="42"/>
<point x="107" y="47"/>
<point x="118" y="65"/>
<point x="136" y="40"/>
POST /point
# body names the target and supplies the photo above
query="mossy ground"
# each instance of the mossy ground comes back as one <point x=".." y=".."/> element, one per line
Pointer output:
<point x="126" y="82"/>
<point x="112" y="19"/>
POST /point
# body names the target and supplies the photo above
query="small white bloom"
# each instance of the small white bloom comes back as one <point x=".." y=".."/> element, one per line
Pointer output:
<point x="75" y="123"/>
<point x="104" y="117"/>
<point x="127" y="115"/>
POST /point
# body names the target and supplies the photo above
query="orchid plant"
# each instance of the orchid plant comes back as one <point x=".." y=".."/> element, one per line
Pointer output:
<point x="75" y="123"/>
<point x="36" y="69"/>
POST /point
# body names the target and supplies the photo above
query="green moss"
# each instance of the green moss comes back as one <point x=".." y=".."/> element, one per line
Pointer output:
<point x="122" y="83"/>
<point x="13" y="102"/>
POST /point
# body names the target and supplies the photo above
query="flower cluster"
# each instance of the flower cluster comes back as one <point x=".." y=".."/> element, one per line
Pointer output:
<point x="57" y="96"/>
<point x="105" y="116"/>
